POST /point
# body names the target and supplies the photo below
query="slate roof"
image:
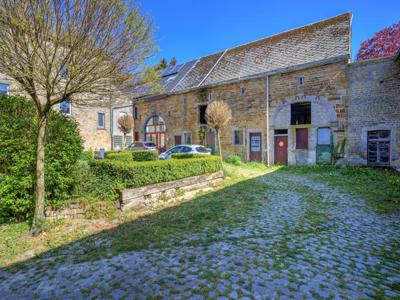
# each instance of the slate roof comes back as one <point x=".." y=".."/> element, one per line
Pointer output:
<point x="311" y="43"/>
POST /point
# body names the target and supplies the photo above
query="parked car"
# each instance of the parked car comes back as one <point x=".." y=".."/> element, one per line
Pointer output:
<point x="192" y="149"/>
<point x="142" y="146"/>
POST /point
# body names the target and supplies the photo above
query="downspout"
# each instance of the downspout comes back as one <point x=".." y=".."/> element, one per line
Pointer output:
<point x="111" y="122"/>
<point x="267" y="111"/>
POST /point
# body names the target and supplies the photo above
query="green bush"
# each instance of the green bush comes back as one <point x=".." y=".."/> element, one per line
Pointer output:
<point x="234" y="159"/>
<point x="119" y="155"/>
<point x="144" y="155"/>
<point x="136" y="174"/>
<point x="87" y="155"/>
<point x="186" y="155"/>
<point x="18" y="128"/>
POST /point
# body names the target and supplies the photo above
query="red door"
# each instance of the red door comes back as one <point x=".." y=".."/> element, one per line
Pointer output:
<point x="281" y="150"/>
<point x="255" y="146"/>
<point x="177" y="140"/>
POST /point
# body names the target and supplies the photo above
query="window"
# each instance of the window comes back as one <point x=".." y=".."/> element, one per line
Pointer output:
<point x="117" y="142"/>
<point x="280" y="131"/>
<point x="202" y="114"/>
<point x="300" y="80"/>
<point x="238" y="137"/>
<point x="64" y="72"/>
<point x="378" y="147"/>
<point x="209" y="96"/>
<point x="4" y="88"/>
<point x="324" y="136"/>
<point x="187" y="138"/>
<point x="101" y="120"/>
<point x="300" y="113"/>
<point x="135" y="113"/>
<point x="65" y="107"/>
<point x="302" y="138"/>
<point x="202" y="149"/>
<point x="186" y="149"/>
<point x="242" y="91"/>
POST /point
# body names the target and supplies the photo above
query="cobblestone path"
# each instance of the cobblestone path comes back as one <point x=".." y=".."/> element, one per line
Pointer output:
<point x="305" y="240"/>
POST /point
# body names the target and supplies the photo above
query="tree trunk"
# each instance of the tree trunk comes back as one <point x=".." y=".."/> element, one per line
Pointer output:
<point x="39" y="218"/>
<point x="219" y="147"/>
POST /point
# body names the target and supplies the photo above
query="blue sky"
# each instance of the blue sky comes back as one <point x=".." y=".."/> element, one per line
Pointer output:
<point x="188" y="29"/>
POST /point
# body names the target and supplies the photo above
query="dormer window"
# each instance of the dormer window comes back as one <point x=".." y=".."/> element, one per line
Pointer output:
<point x="300" y="80"/>
<point x="66" y="107"/>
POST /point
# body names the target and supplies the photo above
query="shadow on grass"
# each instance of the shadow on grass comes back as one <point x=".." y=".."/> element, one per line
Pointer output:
<point x="203" y="217"/>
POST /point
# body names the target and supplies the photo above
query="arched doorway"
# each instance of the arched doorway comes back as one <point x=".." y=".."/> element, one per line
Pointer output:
<point x="155" y="131"/>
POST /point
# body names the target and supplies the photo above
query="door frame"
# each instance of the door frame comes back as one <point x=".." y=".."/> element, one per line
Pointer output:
<point x="247" y="142"/>
<point x="287" y="144"/>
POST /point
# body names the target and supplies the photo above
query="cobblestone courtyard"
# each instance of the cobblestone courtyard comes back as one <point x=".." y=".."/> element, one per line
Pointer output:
<point x="304" y="240"/>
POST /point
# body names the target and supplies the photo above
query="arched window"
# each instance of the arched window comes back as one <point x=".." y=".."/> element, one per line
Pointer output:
<point x="155" y="131"/>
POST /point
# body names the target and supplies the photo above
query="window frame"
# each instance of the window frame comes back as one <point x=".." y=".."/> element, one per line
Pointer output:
<point x="98" y="120"/>
<point x="70" y="107"/>
<point x="300" y="80"/>
<point x="199" y="111"/>
<point x="184" y="136"/>
<point x="7" y="86"/>
<point x="234" y="130"/>
<point x="297" y="110"/>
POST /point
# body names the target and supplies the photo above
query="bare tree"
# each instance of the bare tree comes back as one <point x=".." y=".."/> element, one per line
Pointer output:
<point x="218" y="115"/>
<point x="56" y="49"/>
<point x="125" y="124"/>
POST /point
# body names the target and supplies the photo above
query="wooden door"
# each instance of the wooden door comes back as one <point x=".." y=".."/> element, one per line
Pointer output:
<point x="302" y="138"/>
<point x="255" y="146"/>
<point x="281" y="150"/>
<point x="177" y="140"/>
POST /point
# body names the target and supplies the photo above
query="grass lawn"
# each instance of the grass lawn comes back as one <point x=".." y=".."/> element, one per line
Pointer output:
<point x="229" y="203"/>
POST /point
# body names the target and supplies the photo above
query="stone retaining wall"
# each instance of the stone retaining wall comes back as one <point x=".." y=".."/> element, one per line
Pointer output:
<point x="73" y="211"/>
<point x="151" y="194"/>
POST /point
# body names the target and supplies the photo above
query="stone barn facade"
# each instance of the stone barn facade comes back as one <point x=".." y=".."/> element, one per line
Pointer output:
<point x="287" y="94"/>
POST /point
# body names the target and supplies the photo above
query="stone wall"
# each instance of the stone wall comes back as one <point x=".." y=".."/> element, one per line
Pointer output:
<point x="152" y="194"/>
<point x="73" y="211"/>
<point x="374" y="89"/>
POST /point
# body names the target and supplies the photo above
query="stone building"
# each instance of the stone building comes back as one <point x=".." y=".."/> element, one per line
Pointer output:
<point x="374" y="112"/>
<point x="287" y="94"/>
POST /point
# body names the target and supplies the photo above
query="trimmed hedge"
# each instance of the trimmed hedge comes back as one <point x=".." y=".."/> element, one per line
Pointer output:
<point x="144" y="155"/>
<point x="187" y="155"/>
<point x="137" y="174"/>
<point x="119" y="155"/>
<point x="132" y="155"/>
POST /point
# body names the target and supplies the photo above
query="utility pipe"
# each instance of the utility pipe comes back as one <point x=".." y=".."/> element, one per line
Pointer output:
<point x="267" y="111"/>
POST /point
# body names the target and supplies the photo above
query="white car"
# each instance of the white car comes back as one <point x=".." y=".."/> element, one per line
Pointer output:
<point x="190" y="149"/>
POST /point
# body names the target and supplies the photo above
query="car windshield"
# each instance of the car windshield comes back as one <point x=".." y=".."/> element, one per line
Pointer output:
<point x="201" y="150"/>
<point x="150" y="144"/>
